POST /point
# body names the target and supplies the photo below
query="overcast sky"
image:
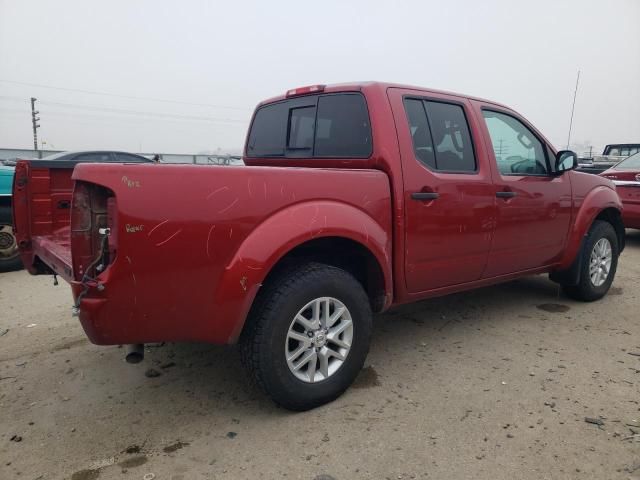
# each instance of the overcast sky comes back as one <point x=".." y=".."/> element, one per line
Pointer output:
<point x="185" y="76"/>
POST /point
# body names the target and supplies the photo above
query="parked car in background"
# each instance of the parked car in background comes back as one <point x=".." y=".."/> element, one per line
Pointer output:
<point x="99" y="156"/>
<point x="611" y="155"/>
<point x="355" y="198"/>
<point x="626" y="177"/>
<point x="9" y="255"/>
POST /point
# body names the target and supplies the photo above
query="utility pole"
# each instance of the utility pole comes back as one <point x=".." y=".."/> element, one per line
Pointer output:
<point x="34" y="122"/>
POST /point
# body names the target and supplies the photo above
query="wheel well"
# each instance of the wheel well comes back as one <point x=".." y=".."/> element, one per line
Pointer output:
<point x="343" y="253"/>
<point x="612" y="216"/>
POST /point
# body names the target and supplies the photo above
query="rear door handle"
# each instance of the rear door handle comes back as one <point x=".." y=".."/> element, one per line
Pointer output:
<point x="506" y="194"/>
<point x="424" y="195"/>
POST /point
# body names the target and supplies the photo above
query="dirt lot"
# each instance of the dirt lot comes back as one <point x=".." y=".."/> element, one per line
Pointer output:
<point x="492" y="384"/>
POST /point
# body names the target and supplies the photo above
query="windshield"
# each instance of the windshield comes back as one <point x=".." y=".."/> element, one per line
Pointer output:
<point x="630" y="163"/>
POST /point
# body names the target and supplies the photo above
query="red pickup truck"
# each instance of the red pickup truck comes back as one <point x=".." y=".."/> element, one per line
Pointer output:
<point x="355" y="198"/>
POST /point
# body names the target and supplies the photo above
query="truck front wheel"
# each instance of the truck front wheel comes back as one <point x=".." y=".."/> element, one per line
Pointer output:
<point x="598" y="265"/>
<point x="9" y="255"/>
<point x="308" y="335"/>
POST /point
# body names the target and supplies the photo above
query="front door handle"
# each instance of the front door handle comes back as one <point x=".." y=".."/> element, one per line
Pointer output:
<point x="424" y="195"/>
<point x="506" y="194"/>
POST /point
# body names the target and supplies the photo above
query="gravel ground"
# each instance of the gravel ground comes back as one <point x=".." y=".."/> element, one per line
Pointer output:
<point x="491" y="384"/>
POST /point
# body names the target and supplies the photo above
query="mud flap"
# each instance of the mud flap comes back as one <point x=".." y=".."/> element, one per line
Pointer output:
<point x="570" y="276"/>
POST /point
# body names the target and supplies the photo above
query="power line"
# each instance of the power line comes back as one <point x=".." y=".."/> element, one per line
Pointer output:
<point x="7" y="97"/>
<point x="107" y="94"/>
<point x="81" y="118"/>
<point x="131" y="112"/>
<point x="141" y="112"/>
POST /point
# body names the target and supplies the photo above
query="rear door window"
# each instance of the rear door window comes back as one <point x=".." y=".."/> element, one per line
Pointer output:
<point x="420" y="132"/>
<point x="440" y="135"/>
<point x="321" y="126"/>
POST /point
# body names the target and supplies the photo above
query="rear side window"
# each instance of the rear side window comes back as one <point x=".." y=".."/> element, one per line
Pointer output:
<point x="321" y="126"/>
<point x="440" y="135"/>
<point x="126" y="157"/>
<point x="94" y="157"/>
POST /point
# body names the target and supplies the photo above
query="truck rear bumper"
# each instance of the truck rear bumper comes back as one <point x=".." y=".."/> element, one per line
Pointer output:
<point x="109" y="317"/>
<point x="93" y="317"/>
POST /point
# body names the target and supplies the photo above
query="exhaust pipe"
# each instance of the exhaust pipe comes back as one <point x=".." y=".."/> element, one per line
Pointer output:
<point x="135" y="353"/>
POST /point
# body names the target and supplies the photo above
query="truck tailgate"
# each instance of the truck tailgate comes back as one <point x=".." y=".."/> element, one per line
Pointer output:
<point x="42" y="193"/>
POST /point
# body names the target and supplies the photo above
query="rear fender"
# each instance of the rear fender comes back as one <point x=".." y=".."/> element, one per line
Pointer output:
<point x="282" y="232"/>
<point x="596" y="201"/>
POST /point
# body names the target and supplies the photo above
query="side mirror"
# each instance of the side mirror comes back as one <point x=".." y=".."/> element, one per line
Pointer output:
<point x="566" y="160"/>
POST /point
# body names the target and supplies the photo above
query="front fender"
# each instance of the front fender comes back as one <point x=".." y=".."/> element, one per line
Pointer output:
<point x="597" y="200"/>
<point x="282" y="232"/>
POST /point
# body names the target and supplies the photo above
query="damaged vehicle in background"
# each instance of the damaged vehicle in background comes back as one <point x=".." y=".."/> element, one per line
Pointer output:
<point x="355" y="198"/>
<point x="611" y="155"/>
<point x="626" y="177"/>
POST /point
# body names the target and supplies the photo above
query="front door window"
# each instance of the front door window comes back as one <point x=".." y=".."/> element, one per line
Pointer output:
<point x="516" y="148"/>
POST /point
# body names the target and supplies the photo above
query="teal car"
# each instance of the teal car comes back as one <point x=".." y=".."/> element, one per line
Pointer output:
<point x="9" y="256"/>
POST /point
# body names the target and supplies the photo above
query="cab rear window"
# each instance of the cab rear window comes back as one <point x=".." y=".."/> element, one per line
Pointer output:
<point x="314" y="126"/>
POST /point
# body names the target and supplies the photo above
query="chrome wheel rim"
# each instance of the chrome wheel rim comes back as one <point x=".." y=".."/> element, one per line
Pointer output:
<point x="319" y="339"/>
<point x="8" y="245"/>
<point x="600" y="262"/>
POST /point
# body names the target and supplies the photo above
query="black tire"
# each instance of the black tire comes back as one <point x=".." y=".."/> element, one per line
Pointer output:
<point x="265" y="335"/>
<point x="585" y="290"/>
<point x="8" y="262"/>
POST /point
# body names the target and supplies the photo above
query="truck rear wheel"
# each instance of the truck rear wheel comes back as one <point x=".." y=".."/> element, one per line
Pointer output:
<point x="308" y="335"/>
<point x="9" y="254"/>
<point x="598" y="265"/>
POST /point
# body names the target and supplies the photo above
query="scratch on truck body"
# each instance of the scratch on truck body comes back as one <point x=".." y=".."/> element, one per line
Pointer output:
<point x="221" y="189"/>
<point x="158" y="225"/>
<point x="169" y="238"/>
<point x="228" y="207"/>
<point x="209" y="238"/>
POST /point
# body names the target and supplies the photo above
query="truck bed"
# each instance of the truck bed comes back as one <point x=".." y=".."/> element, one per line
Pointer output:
<point x="42" y="205"/>
<point x="55" y="251"/>
<point x="199" y="237"/>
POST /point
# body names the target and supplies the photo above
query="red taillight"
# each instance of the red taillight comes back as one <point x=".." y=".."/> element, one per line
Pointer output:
<point x="305" y="90"/>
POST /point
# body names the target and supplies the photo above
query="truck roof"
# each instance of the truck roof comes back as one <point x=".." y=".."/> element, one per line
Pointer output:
<point x="373" y="85"/>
